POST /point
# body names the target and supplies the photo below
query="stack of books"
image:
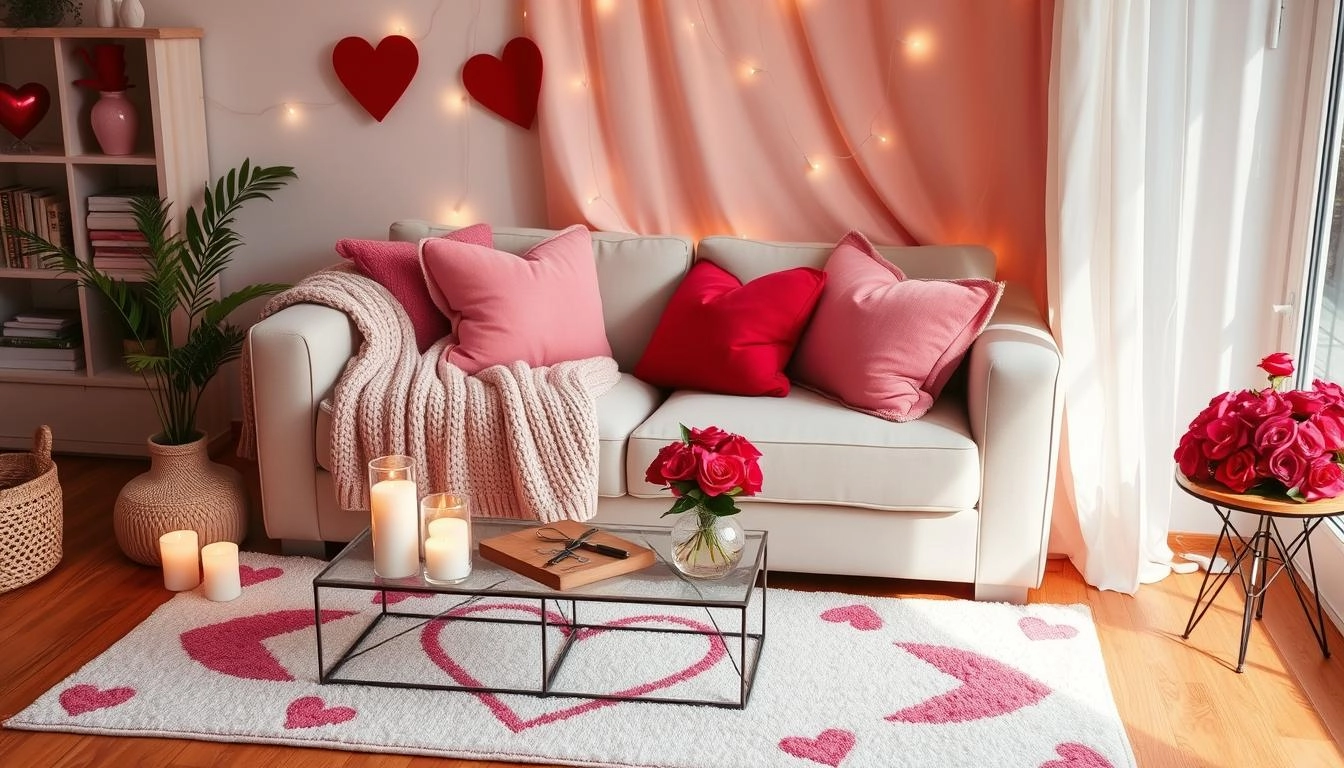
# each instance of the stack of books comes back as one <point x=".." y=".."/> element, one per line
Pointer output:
<point x="116" y="241"/>
<point x="35" y="210"/>
<point x="42" y="340"/>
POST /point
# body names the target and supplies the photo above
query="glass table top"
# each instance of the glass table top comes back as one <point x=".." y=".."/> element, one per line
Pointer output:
<point x="659" y="583"/>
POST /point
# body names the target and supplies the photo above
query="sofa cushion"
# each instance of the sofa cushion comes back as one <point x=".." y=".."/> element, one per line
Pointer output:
<point x="396" y="266"/>
<point x="817" y="451"/>
<point x="636" y="275"/>
<point x="886" y="344"/>
<point x="542" y="308"/>
<point x="749" y="259"/>
<point x="619" y="411"/>
<point x="719" y="335"/>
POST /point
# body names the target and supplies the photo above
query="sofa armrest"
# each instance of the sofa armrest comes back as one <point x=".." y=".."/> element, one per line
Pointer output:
<point x="1013" y="400"/>
<point x="297" y="354"/>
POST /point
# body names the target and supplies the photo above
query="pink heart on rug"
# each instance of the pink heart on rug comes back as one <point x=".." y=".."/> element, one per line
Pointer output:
<point x="235" y="648"/>
<point x="311" y="711"/>
<point x="829" y="748"/>
<point x="86" y="698"/>
<point x="988" y="688"/>
<point x="860" y="617"/>
<point x="429" y="640"/>
<point x="247" y="575"/>
<point x="396" y="597"/>
<point x="1077" y="756"/>
<point x="1037" y="629"/>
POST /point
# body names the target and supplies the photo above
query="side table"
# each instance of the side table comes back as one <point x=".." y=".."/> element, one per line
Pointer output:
<point x="1265" y="547"/>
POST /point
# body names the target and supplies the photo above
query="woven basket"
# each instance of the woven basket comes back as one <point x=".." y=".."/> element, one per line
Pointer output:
<point x="30" y="514"/>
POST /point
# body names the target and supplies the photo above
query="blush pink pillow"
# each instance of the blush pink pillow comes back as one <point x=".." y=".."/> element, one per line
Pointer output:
<point x="542" y="307"/>
<point x="396" y="267"/>
<point x="885" y="344"/>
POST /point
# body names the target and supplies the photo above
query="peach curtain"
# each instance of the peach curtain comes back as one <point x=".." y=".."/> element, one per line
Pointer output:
<point x="915" y="122"/>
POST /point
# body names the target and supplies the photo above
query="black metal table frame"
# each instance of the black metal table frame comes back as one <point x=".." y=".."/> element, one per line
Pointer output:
<point x="1256" y="584"/>
<point x="746" y="664"/>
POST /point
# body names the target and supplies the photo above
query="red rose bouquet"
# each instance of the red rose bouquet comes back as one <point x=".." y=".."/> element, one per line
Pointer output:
<point x="1274" y="441"/>
<point x="706" y="470"/>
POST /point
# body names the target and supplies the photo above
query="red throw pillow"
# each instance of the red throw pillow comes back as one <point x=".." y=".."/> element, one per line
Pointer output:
<point x="718" y="335"/>
<point x="396" y="267"/>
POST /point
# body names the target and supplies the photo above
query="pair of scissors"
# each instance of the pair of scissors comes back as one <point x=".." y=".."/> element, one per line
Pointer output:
<point x="570" y="546"/>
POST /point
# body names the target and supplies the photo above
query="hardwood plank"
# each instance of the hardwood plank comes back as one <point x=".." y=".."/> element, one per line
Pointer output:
<point x="1181" y="702"/>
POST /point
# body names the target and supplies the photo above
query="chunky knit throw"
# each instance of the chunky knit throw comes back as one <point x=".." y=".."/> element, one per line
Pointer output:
<point x="521" y="441"/>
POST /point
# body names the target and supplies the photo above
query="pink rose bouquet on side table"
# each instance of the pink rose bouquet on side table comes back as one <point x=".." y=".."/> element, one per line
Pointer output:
<point x="1276" y="442"/>
<point x="706" y="470"/>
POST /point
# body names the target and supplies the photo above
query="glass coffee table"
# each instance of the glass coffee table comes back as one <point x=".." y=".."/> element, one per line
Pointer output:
<point x="499" y="632"/>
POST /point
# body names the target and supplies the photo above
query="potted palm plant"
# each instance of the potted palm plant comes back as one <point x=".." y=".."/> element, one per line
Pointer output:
<point x="180" y="338"/>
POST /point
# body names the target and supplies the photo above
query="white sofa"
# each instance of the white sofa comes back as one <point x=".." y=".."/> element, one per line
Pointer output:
<point x="963" y="494"/>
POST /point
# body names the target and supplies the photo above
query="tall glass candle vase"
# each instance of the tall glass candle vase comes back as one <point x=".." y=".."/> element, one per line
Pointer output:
<point x="395" y="517"/>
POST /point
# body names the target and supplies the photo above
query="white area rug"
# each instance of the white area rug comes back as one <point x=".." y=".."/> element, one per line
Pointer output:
<point x="844" y="681"/>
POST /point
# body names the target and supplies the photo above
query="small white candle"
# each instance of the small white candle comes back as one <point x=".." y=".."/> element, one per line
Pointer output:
<point x="220" y="563"/>
<point x="180" y="554"/>
<point x="448" y="550"/>
<point x="396" y="524"/>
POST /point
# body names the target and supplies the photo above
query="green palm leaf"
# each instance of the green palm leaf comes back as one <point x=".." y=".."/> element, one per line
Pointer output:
<point x="180" y="282"/>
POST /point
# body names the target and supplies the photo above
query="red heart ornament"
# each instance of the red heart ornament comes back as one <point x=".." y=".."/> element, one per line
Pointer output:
<point x="376" y="77"/>
<point x="22" y="108"/>
<point x="508" y="86"/>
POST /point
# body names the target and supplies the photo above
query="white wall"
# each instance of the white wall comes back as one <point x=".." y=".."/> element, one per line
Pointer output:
<point x="430" y="154"/>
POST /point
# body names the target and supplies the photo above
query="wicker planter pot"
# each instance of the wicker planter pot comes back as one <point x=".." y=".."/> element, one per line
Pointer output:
<point x="183" y="489"/>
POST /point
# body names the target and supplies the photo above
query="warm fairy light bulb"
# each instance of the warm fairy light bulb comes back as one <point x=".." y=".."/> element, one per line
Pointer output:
<point x="454" y="101"/>
<point x="918" y="46"/>
<point x="605" y="6"/>
<point x="292" y="114"/>
<point x="396" y="25"/>
<point x="813" y="166"/>
<point x="882" y="139"/>
<point x="580" y="83"/>
<point x="593" y="198"/>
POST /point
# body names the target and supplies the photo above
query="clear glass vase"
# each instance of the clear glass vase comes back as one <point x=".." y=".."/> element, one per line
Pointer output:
<point x="705" y="545"/>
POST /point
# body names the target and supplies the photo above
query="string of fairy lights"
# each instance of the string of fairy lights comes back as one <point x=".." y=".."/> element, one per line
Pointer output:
<point x="915" y="45"/>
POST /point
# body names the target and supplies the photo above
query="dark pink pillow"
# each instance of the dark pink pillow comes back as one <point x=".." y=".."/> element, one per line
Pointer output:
<point x="396" y="267"/>
<point x="885" y="344"/>
<point x="718" y="335"/>
<point x="542" y="307"/>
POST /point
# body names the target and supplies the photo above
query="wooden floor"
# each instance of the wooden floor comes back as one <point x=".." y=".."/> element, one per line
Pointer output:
<point x="1181" y="701"/>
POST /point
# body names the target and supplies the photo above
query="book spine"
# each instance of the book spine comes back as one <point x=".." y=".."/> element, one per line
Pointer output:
<point x="10" y="241"/>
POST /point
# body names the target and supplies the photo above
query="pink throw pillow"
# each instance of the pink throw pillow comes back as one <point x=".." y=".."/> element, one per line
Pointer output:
<point x="885" y="344"/>
<point x="396" y="267"/>
<point x="542" y="307"/>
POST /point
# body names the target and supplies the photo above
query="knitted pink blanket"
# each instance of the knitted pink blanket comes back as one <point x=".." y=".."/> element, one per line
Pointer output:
<point x="521" y="441"/>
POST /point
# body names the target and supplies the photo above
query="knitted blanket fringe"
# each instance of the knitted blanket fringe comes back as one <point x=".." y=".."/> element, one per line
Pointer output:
<point x="520" y="441"/>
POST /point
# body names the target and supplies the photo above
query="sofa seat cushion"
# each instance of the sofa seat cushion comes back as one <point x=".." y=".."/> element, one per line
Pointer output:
<point x="619" y="411"/>
<point x="817" y="451"/>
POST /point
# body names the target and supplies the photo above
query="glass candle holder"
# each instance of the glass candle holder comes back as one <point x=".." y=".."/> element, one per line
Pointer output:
<point x="445" y="528"/>
<point x="394" y="517"/>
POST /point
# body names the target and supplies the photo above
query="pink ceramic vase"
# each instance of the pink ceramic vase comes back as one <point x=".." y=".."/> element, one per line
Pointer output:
<point x="114" y="123"/>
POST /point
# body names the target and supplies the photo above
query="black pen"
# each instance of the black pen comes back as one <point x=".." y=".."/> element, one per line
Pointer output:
<point x="605" y="549"/>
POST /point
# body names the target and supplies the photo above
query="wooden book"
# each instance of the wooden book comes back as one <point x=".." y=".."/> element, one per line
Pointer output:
<point x="518" y="551"/>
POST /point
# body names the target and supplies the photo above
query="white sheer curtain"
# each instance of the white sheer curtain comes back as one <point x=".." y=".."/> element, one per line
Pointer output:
<point x="1159" y="242"/>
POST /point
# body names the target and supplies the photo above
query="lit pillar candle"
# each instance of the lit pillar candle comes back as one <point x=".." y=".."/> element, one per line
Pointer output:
<point x="220" y="563"/>
<point x="448" y="549"/>
<point x="180" y="554"/>
<point x="396" y="523"/>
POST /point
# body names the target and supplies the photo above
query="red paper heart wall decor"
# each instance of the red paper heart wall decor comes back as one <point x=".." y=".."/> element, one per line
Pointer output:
<point x="376" y="77"/>
<point x="22" y="108"/>
<point x="508" y="86"/>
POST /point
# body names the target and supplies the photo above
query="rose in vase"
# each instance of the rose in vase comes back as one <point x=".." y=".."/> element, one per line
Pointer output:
<point x="706" y="470"/>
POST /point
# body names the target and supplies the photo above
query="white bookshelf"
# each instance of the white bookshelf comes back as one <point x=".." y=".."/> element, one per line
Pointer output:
<point x="104" y="408"/>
